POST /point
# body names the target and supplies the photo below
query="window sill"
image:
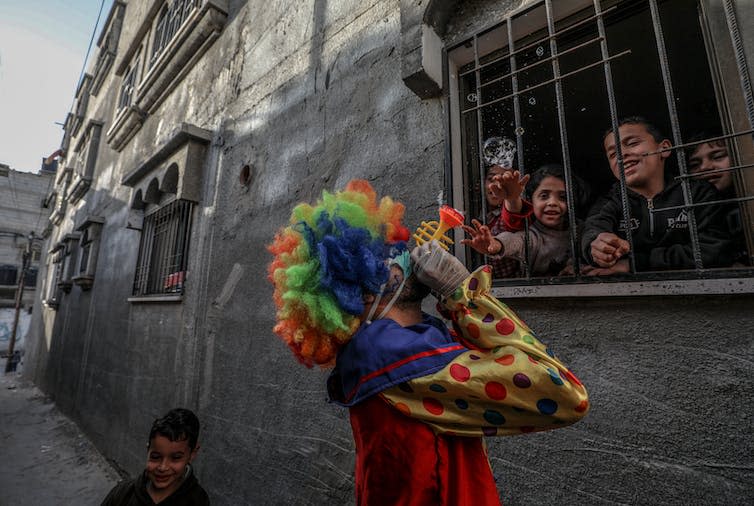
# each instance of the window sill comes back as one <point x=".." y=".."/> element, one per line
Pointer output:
<point x="155" y="298"/>
<point x="127" y="122"/>
<point x="607" y="287"/>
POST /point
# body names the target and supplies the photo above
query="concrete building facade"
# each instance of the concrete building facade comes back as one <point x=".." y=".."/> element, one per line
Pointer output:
<point x="200" y="123"/>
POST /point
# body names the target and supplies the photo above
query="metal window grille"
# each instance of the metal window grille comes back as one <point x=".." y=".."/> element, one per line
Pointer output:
<point x="169" y="22"/>
<point x="163" y="252"/>
<point x="129" y="85"/>
<point x="492" y="82"/>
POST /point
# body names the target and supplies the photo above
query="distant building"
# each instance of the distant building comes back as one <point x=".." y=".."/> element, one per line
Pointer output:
<point x="21" y="214"/>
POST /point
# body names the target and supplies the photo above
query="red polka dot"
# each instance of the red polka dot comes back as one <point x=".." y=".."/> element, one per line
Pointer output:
<point x="506" y="359"/>
<point x="572" y="377"/>
<point x="473" y="330"/>
<point x="433" y="406"/>
<point x="505" y="326"/>
<point x="532" y="359"/>
<point x="583" y="405"/>
<point x="403" y="408"/>
<point x="495" y="390"/>
<point x="459" y="372"/>
<point x="486" y="268"/>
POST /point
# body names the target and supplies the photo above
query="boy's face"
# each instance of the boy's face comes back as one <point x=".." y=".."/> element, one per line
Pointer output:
<point x="549" y="202"/>
<point x="711" y="156"/>
<point x="167" y="461"/>
<point x="641" y="171"/>
<point x="493" y="200"/>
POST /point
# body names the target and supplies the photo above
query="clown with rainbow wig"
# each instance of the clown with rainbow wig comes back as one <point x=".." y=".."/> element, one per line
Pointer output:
<point x="420" y="395"/>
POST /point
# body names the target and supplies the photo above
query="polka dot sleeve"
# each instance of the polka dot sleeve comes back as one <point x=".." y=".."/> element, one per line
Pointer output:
<point x="507" y="383"/>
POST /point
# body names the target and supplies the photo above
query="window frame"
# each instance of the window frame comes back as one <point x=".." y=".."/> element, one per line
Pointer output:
<point x="707" y="281"/>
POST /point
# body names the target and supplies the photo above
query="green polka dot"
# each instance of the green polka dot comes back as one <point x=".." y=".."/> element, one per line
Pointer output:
<point x="528" y="339"/>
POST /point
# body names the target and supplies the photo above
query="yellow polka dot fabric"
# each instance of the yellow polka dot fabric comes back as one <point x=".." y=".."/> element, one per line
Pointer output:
<point x="507" y="383"/>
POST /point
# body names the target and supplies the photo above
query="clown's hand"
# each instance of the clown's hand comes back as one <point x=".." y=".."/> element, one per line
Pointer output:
<point x="437" y="268"/>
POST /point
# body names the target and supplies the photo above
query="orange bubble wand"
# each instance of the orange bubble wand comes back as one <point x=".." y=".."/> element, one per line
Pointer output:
<point x="432" y="230"/>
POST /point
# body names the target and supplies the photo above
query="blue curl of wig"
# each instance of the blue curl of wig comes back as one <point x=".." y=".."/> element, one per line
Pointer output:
<point x="351" y="261"/>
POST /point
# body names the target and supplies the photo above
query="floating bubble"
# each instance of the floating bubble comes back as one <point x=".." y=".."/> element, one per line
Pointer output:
<point x="520" y="131"/>
<point x="540" y="51"/>
<point x="471" y="97"/>
<point x="532" y="101"/>
<point x="499" y="151"/>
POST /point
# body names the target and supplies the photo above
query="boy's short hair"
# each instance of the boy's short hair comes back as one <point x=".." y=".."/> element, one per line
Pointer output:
<point x="653" y="130"/>
<point x="578" y="186"/>
<point x="178" y="424"/>
<point x="700" y="138"/>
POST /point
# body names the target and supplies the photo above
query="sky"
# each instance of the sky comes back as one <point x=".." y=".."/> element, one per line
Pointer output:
<point x="43" y="44"/>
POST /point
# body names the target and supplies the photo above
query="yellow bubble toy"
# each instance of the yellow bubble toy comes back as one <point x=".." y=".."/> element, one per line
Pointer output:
<point x="432" y="230"/>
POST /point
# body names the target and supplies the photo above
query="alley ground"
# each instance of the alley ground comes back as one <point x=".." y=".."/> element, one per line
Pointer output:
<point x="44" y="457"/>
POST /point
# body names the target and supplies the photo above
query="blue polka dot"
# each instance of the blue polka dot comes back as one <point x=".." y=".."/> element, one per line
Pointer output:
<point x="462" y="404"/>
<point x="547" y="406"/>
<point x="494" y="417"/>
<point x="437" y="388"/>
<point x="549" y="352"/>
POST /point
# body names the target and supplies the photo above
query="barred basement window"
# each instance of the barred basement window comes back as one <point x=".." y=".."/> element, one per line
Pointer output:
<point x="552" y="77"/>
<point x="163" y="251"/>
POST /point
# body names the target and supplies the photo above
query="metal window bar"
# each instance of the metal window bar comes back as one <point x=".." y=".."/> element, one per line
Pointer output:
<point x="163" y="252"/>
<point x="572" y="226"/>
<point x="518" y="130"/>
<point x="676" y="128"/>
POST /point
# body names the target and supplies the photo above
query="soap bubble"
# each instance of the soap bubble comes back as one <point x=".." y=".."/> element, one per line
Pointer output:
<point x="532" y="101"/>
<point x="471" y="97"/>
<point x="499" y="151"/>
<point x="540" y="51"/>
<point x="520" y="131"/>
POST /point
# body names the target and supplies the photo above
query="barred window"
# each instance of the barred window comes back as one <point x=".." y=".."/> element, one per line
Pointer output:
<point x="128" y="87"/>
<point x="169" y="21"/>
<point x="163" y="251"/>
<point x="546" y="88"/>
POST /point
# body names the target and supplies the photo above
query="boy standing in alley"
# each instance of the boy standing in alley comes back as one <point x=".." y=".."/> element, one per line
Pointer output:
<point x="168" y="479"/>
<point x="661" y="238"/>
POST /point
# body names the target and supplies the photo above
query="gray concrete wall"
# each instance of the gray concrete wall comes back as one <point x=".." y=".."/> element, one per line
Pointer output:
<point x="309" y="94"/>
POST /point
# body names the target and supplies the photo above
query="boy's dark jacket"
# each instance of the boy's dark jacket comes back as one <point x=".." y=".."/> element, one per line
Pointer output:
<point x="133" y="492"/>
<point x="662" y="241"/>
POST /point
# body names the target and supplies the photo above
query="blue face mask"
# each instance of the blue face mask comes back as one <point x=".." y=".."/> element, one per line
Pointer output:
<point x="402" y="260"/>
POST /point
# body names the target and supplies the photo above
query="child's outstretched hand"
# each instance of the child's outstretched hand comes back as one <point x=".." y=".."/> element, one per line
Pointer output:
<point x="509" y="186"/>
<point x="482" y="239"/>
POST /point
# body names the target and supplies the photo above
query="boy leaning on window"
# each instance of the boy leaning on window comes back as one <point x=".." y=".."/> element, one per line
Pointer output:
<point x="661" y="238"/>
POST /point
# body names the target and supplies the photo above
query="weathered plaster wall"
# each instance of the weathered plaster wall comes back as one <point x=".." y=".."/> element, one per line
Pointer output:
<point x="310" y="95"/>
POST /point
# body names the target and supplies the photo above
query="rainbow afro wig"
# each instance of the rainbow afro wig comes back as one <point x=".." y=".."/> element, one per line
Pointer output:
<point x="330" y="255"/>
